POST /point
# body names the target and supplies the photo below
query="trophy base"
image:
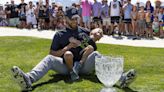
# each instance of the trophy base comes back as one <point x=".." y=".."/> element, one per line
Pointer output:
<point x="109" y="89"/>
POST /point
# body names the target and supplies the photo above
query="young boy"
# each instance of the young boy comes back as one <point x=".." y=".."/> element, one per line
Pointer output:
<point x="161" y="21"/>
<point x="149" y="32"/>
<point x="155" y="26"/>
<point x="86" y="46"/>
<point x="141" y="21"/>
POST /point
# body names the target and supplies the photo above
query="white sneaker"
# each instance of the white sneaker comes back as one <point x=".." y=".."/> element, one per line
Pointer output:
<point x="127" y="78"/>
<point x="21" y="78"/>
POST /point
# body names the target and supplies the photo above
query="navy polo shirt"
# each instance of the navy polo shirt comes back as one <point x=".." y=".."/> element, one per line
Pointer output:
<point x="61" y="39"/>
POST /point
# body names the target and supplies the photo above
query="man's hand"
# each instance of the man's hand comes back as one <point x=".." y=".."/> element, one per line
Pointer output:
<point x="74" y="41"/>
<point x="72" y="45"/>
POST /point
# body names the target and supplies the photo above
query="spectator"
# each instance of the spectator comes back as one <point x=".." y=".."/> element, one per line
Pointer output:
<point x="115" y="13"/>
<point x="80" y="21"/>
<point x="127" y="9"/>
<point x="149" y="32"/>
<point x="105" y="16"/>
<point x="161" y="21"/>
<point x="96" y="13"/>
<point x="3" y="21"/>
<point x="30" y="16"/>
<point x="6" y="12"/>
<point x="47" y="18"/>
<point x="134" y="14"/>
<point x="42" y="16"/>
<point x="157" y="4"/>
<point x="22" y="14"/>
<point x="160" y="14"/>
<point x="37" y="12"/>
<point x="150" y="8"/>
<point x="53" y="18"/>
<point x="155" y="26"/>
<point x="86" y="12"/>
<point x="12" y="10"/>
<point x="141" y="21"/>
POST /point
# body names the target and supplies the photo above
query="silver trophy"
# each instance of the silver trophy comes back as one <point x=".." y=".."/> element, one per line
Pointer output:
<point x="109" y="70"/>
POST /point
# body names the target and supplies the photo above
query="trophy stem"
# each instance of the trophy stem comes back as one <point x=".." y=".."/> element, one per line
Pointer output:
<point x="108" y="89"/>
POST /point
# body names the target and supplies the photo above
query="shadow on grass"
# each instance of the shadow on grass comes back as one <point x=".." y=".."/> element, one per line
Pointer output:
<point x="66" y="78"/>
<point x="90" y="77"/>
<point x="55" y="78"/>
<point x="58" y="77"/>
<point x="127" y="89"/>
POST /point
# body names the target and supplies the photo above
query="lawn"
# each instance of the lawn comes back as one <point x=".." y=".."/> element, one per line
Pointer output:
<point x="26" y="52"/>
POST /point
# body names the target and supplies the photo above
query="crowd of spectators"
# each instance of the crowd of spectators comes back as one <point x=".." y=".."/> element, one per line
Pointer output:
<point x="121" y="17"/>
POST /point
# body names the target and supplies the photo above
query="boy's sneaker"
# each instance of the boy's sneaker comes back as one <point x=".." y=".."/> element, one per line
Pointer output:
<point x="21" y="78"/>
<point x="127" y="78"/>
<point x="74" y="76"/>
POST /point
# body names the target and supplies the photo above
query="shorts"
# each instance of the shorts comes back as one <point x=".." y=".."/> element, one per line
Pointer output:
<point x="115" y="19"/>
<point x="127" y="21"/>
<point x="106" y="21"/>
<point x="22" y="18"/>
<point x="97" y="19"/>
<point x="141" y="24"/>
<point x="156" y="30"/>
<point x="148" y="25"/>
<point x="13" y="21"/>
<point x="47" y="20"/>
<point x="31" y="20"/>
<point x="86" y="19"/>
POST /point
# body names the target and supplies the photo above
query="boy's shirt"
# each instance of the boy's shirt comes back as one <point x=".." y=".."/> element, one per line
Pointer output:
<point x="155" y="25"/>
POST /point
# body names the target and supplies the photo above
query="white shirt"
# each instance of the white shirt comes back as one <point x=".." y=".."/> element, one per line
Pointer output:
<point x="114" y="8"/>
<point x="30" y="12"/>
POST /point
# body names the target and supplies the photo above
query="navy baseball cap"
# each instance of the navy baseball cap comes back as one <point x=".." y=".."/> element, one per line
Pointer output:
<point x="71" y="12"/>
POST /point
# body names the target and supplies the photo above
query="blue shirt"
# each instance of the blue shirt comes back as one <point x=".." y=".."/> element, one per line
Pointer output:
<point x="127" y="11"/>
<point x="105" y="11"/>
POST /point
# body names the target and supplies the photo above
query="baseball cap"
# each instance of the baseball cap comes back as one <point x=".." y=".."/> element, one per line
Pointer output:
<point x="71" y="12"/>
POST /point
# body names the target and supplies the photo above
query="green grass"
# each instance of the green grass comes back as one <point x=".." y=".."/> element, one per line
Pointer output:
<point x="26" y="52"/>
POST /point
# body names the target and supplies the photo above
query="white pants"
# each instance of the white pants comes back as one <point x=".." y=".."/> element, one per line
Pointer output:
<point x="31" y="20"/>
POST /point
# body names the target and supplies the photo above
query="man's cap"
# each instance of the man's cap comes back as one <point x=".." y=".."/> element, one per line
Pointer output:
<point x="71" y="11"/>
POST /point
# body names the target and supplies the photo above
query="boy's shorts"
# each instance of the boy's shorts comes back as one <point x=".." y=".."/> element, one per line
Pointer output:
<point x="141" y="24"/>
<point x="156" y="30"/>
<point x="127" y="21"/>
<point x="115" y="19"/>
<point x="86" y="19"/>
<point x="106" y="21"/>
<point x="13" y="21"/>
<point x="97" y="19"/>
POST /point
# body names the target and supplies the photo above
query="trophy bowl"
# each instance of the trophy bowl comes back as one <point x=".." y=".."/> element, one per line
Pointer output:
<point x="109" y="70"/>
